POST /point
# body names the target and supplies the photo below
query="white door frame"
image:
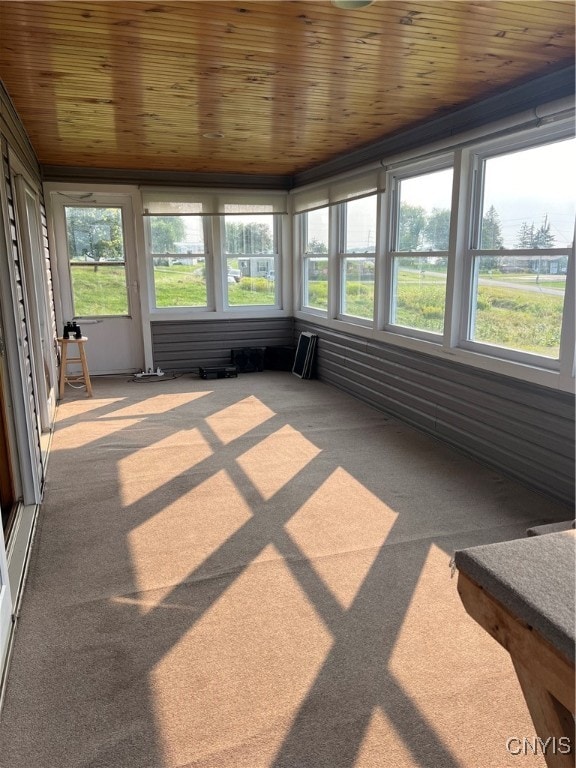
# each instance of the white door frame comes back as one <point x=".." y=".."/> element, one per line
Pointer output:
<point x="16" y="366"/>
<point x="114" y="329"/>
<point x="38" y="299"/>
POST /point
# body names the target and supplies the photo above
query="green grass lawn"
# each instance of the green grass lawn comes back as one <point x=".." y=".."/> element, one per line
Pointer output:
<point x="509" y="317"/>
<point x="180" y="286"/>
<point x="103" y="291"/>
<point x="516" y="319"/>
<point x="505" y="316"/>
<point x="99" y="291"/>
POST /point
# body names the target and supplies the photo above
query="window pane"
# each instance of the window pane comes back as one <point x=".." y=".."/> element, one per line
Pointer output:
<point x="251" y="264"/>
<point x="176" y="234"/>
<point x="180" y="282"/>
<point x="94" y="234"/>
<point x="316" y="283"/>
<point x="519" y="303"/>
<point x="95" y="242"/>
<point x="249" y="234"/>
<point x="529" y="198"/>
<point x="358" y="288"/>
<point x="360" y="236"/>
<point x="424" y="205"/>
<point x="419" y="293"/>
<point x="251" y="280"/>
<point x="99" y="289"/>
<point x="317" y="231"/>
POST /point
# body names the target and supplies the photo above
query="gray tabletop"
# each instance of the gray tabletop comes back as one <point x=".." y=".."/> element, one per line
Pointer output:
<point x="535" y="578"/>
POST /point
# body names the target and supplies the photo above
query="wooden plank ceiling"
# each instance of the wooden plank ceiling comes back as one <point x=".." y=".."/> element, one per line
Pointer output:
<point x="268" y="87"/>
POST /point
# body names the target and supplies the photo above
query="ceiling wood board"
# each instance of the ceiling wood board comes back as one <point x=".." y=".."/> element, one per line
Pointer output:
<point x="291" y="85"/>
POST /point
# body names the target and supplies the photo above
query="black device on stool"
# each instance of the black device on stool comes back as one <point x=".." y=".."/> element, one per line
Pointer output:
<point x="72" y="329"/>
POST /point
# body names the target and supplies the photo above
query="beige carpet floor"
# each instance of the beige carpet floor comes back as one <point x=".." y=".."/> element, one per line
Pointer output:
<point x="254" y="573"/>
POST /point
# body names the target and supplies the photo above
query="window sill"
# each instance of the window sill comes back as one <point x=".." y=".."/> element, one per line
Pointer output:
<point x="546" y="377"/>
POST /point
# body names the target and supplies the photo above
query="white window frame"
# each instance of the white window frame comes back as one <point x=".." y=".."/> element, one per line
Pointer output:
<point x="307" y="256"/>
<point x="276" y="257"/>
<point x="343" y="255"/>
<point x="471" y="252"/>
<point x="213" y="210"/>
<point x="98" y="200"/>
<point x="208" y="262"/>
<point x="557" y="123"/>
<point x="394" y="178"/>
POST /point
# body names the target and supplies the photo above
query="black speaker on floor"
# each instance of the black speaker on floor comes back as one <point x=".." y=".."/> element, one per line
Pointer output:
<point x="248" y="359"/>
<point x="279" y="358"/>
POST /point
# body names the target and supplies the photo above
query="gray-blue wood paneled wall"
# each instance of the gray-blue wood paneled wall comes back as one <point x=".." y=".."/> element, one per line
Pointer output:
<point x="186" y="345"/>
<point x="521" y="429"/>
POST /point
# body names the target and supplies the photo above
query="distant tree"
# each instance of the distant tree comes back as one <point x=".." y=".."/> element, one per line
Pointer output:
<point x="530" y="237"/>
<point x="437" y="229"/>
<point x="94" y="234"/>
<point x="166" y="231"/>
<point x="526" y="235"/>
<point x="411" y="223"/>
<point x="492" y="238"/>
<point x="543" y="237"/>
<point x="316" y="246"/>
<point x="252" y="238"/>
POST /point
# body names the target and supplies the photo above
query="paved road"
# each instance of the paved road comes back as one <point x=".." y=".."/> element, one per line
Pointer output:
<point x="532" y="287"/>
<point x="519" y="284"/>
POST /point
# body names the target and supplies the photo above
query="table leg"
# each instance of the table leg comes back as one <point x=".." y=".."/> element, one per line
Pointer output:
<point x="552" y="721"/>
<point x="63" y="363"/>
<point x="85" y="371"/>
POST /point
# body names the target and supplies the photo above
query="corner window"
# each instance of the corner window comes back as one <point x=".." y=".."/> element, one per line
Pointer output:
<point x="522" y="235"/>
<point x="420" y="237"/>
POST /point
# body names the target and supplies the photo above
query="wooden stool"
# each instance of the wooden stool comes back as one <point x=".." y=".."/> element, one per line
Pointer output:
<point x="65" y="360"/>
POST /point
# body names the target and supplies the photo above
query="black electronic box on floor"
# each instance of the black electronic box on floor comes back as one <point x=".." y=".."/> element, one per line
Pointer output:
<point x="221" y="372"/>
<point x="248" y="359"/>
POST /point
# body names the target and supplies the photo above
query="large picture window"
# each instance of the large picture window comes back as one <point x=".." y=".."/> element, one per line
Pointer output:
<point x="469" y="250"/>
<point x="522" y="235"/>
<point x="420" y="234"/>
<point x="213" y="251"/>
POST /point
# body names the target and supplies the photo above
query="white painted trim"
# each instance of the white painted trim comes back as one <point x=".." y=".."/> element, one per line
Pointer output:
<point x="381" y="301"/>
<point x="285" y="288"/>
<point x="24" y="420"/>
<point x="334" y="235"/>
<point x="19" y="547"/>
<point x="35" y="282"/>
<point x="568" y="333"/>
